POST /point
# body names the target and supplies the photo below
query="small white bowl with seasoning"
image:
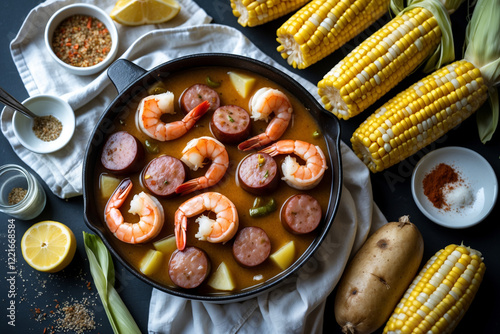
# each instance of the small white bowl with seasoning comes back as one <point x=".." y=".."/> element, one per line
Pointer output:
<point x="454" y="187"/>
<point x="49" y="132"/>
<point x="82" y="38"/>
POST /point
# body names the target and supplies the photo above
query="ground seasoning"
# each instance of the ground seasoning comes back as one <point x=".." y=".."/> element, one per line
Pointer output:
<point x="81" y="40"/>
<point x="435" y="181"/>
<point x="76" y="318"/>
<point x="47" y="128"/>
<point x="16" y="195"/>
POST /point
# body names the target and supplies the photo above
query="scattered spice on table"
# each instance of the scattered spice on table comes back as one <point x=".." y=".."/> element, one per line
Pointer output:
<point x="444" y="187"/>
<point x="81" y="40"/>
<point x="75" y="317"/>
<point x="47" y="128"/>
<point x="16" y="195"/>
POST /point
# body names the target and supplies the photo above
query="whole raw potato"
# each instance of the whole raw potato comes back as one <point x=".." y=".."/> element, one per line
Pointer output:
<point x="377" y="277"/>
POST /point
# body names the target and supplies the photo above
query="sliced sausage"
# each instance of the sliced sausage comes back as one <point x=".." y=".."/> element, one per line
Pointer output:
<point x="196" y="94"/>
<point x="122" y="153"/>
<point x="188" y="268"/>
<point x="230" y="124"/>
<point x="251" y="246"/>
<point x="301" y="214"/>
<point x="163" y="175"/>
<point x="258" y="173"/>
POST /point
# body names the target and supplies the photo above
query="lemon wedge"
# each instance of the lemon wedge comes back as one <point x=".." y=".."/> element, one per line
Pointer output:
<point x="137" y="12"/>
<point x="48" y="246"/>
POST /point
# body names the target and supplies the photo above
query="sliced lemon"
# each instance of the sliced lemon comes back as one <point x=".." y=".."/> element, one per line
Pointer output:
<point x="48" y="246"/>
<point x="137" y="12"/>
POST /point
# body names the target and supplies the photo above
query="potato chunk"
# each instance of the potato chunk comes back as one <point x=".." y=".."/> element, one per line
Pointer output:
<point x="151" y="262"/>
<point x="221" y="279"/>
<point x="242" y="83"/>
<point x="284" y="256"/>
<point x="107" y="185"/>
<point x="166" y="245"/>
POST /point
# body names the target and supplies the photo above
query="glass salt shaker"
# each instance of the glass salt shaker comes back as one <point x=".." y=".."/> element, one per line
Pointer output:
<point x="21" y="195"/>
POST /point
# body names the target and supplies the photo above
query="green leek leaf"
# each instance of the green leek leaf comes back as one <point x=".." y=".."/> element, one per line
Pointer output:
<point x="103" y="273"/>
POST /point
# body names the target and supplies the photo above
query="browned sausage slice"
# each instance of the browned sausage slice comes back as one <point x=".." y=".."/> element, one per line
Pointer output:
<point x="301" y="214"/>
<point x="196" y="94"/>
<point x="251" y="246"/>
<point x="188" y="268"/>
<point x="258" y="173"/>
<point x="122" y="153"/>
<point x="163" y="175"/>
<point x="230" y="124"/>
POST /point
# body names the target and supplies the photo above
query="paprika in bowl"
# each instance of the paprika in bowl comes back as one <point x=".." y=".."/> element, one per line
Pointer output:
<point x="449" y="189"/>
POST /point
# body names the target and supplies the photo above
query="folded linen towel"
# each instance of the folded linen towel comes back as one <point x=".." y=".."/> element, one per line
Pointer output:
<point x="87" y="95"/>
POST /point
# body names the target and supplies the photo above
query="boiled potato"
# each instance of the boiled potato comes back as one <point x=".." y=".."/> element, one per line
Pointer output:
<point x="378" y="275"/>
<point x="221" y="279"/>
<point x="166" y="245"/>
<point x="151" y="262"/>
<point x="242" y="83"/>
<point x="284" y="256"/>
<point x="108" y="185"/>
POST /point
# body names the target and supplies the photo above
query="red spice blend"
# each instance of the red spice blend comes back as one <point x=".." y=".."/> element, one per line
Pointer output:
<point x="435" y="181"/>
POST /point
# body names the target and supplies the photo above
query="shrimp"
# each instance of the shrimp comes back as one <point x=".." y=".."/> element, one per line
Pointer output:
<point x="146" y="206"/>
<point x="264" y="102"/>
<point x="152" y="107"/>
<point x="222" y="229"/>
<point x="297" y="176"/>
<point x="194" y="154"/>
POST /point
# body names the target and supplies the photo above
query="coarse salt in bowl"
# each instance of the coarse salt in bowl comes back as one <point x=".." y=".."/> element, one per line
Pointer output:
<point x="89" y="10"/>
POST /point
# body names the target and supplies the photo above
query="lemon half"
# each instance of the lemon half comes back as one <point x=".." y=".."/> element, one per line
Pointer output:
<point x="137" y="12"/>
<point x="48" y="246"/>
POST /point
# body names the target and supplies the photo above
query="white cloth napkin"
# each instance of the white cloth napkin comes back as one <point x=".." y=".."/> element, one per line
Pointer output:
<point x="87" y="95"/>
<point x="297" y="305"/>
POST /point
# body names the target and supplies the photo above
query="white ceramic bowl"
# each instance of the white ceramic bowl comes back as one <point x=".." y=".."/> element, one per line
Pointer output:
<point x="83" y="9"/>
<point x="43" y="105"/>
<point x="476" y="173"/>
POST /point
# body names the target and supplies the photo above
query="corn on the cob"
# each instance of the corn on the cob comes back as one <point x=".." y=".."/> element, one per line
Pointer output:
<point x="441" y="293"/>
<point x="385" y="58"/>
<point x="255" y="12"/>
<point x="322" y="26"/>
<point x="424" y="112"/>
<point x="419" y="115"/>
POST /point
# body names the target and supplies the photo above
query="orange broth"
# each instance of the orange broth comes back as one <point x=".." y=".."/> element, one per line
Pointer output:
<point x="302" y="127"/>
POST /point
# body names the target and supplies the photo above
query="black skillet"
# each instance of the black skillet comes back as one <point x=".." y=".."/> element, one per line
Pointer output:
<point x="131" y="82"/>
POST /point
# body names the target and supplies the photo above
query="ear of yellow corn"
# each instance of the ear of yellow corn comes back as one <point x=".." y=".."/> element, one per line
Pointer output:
<point x="255" y="12"/>
<point x="419" y="115"/>
<point x="387" y="57"/>
<point x="322" y="26"/>
<point x="424" y="112"/>
<point x="441" y="293"/>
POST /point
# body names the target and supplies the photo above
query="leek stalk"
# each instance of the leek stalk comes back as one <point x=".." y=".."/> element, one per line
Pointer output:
<point x="103" y="273"/>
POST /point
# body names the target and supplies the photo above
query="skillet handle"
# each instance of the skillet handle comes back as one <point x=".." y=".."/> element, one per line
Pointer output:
<point x="123" y="73"/>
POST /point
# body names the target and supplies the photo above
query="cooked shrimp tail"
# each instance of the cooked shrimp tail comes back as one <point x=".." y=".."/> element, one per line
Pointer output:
<point x="262" y="104"/>
<point x="180" y="230"/>
<point x="194" y="155"/>
<point x="151" y="109"/>
<point x="149" y="209"/>
<point x="298" y="176"/>
<point x="220" y="229"/>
